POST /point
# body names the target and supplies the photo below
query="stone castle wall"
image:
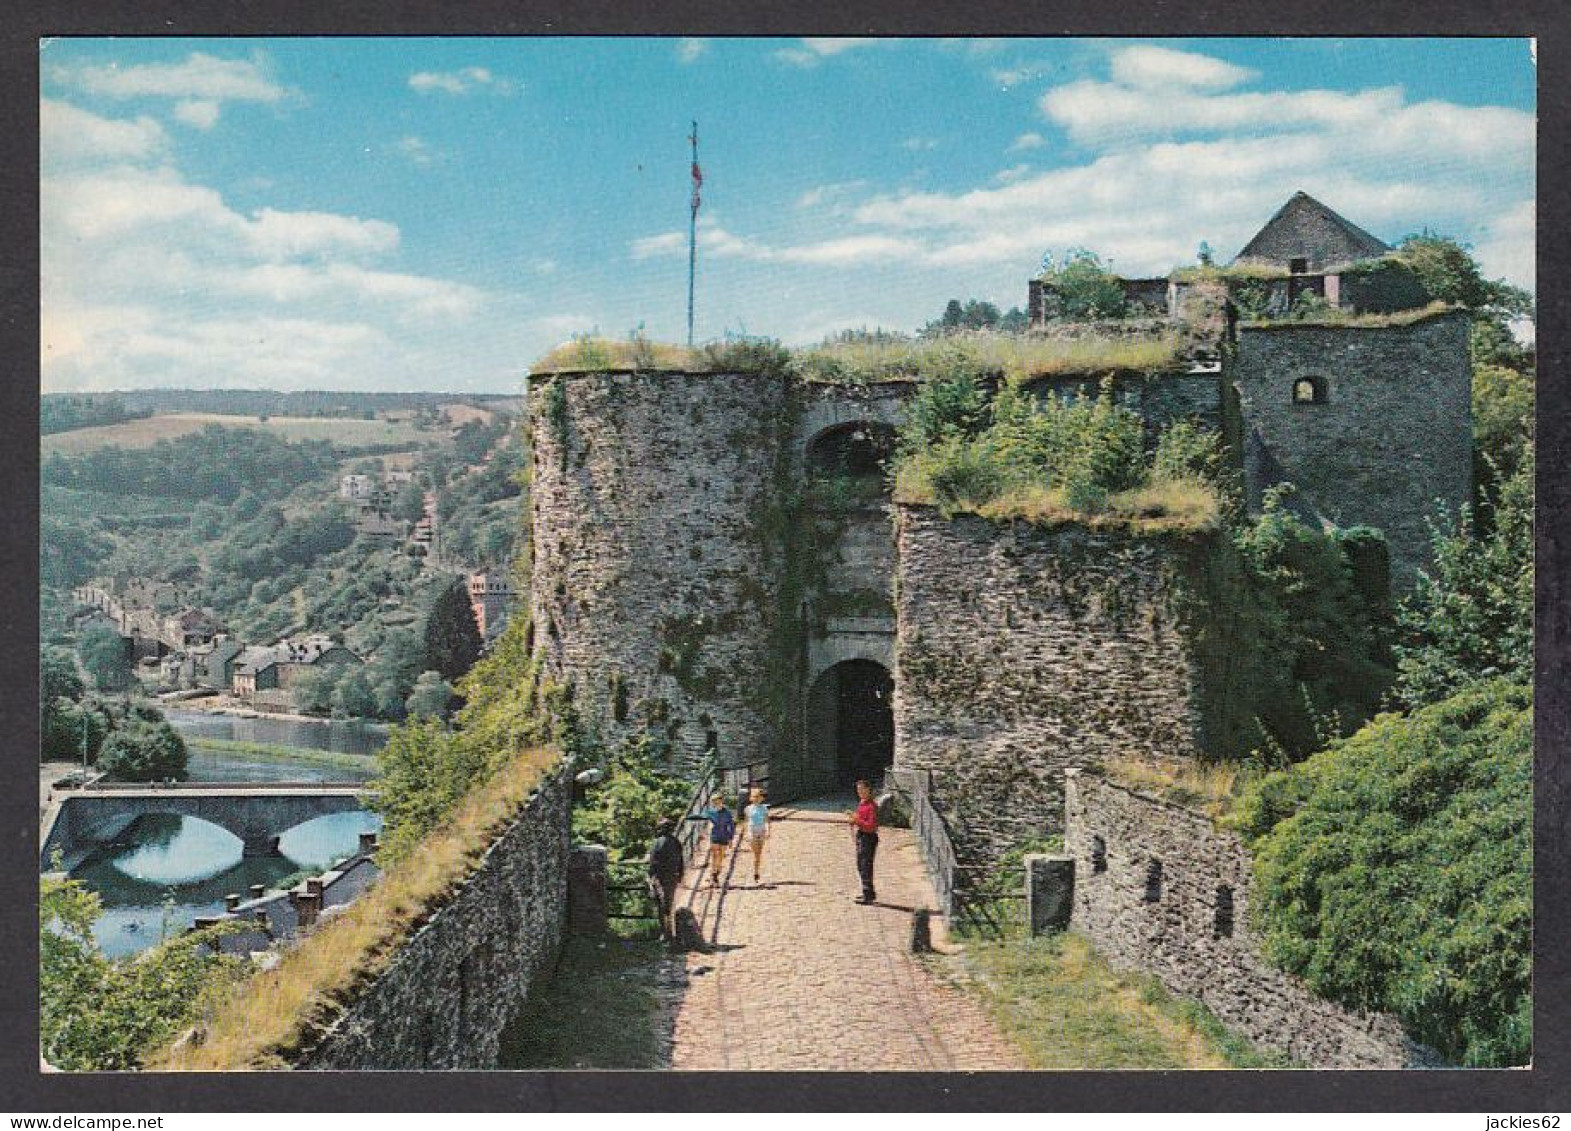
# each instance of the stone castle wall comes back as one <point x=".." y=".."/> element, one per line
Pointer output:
<point x="1159" y="888"/>
<point x="651" y="590"/>
<point x="1393" y="438"/>
<point x="456" y="982"/>
<point x="1022" y="652"/>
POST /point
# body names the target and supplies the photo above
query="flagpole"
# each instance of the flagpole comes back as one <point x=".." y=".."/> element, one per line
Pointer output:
<point x="692" y="236"/>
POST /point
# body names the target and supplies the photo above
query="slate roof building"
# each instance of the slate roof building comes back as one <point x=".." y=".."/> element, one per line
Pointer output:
<point x="1306" y="237"/>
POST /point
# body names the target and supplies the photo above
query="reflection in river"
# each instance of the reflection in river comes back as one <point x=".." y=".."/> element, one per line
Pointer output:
<point x="195" y="864"/>
<point x="340" y="735"/>
<point x="226" y="766"/>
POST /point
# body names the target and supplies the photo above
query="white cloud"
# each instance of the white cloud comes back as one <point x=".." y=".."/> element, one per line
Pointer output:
<point x="1173" y="165"/>
<point x="1162" y="68"/>
<point x="664" y="243"/>
<point x="1007" y="77"/>
<point x="689" y="49"/>
<point x="463" y="81"/>
<point x="148" y="278"/>
<point x="200" y="113"/>
<point x="919" y="144"/>
<point x="201" y="76"/>
<point x="830" y="195"/>
<point x="1506" y="248"/>
<point x="68" y="133"/>
<point x="815" y="50"/>
<point x="561" y="327"/>
<point x="415" y="150"/>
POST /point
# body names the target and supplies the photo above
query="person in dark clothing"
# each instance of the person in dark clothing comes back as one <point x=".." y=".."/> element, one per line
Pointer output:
<point x="865" y="821"/>
<point x="666" y="865"/>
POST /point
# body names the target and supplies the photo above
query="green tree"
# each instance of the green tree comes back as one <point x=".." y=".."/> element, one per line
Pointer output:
<point x="452" y="637"/>
<point x="409" y="503"/>
<point x="1470" y="617"/>
<point x="632" y="797"/>
<point x="312" y="689"/>
<point x="352" y="696"/>
<point x="1087" y="289"/>
<point x="1394" y="871"/>
<point x="430" y="697"/>
<point x="58" y="677"/>
<point x="100" y="1015"/>
<point x="106" y="657"/>
<point x="65" y="723"/>
<point x="144" y="751"/>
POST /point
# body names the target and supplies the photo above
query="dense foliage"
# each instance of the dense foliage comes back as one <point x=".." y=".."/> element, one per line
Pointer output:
<point x="96" y="1014"/>
<point x="426" y="767"/>
<point x="965" y="448"/>
<point x="1085" y="288"/>
<point x="63" y="412"/>
<point x="106" y="657"/>
<point x="622" y="811"/>
<point x="452" y="638"/>
<point x="975" y="314"/>
<point x="1394" y="871"/>
<point x="144" y="751"/>
<point x="1470" y="617"/>
<point x="216" y="463"/>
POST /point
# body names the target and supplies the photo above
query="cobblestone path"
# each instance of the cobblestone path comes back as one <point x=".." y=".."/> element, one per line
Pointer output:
<point x="800" y="977"/>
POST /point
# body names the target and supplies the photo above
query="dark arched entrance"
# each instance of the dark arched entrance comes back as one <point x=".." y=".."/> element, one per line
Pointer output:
<point x="851" y="726"/>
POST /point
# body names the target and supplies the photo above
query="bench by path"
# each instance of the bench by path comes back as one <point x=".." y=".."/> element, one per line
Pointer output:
<point x="799" y="977"/>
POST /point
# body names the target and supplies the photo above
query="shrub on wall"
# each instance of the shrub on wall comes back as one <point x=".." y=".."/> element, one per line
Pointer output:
<point x="1394" y="871"/>
<point x="621" y="812"/>
<point x="426" y="768"/>
<point x="97" y="1014"/>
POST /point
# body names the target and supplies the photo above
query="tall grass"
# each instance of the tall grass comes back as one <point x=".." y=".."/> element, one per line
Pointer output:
<point x="1064" y="1008"/>
<point x="1054" y="461"/>
<point x="1012" y="357"/>
<point x="1211" y="787"/>
<point x="275" y="1013"/>
<point x="874" y="359"/>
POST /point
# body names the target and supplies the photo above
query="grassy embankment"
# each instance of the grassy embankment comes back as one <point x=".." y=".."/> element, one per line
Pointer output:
<point x="265" y="750"/>
<point x="1064" y="1008"/>
<point x="267" y="1018"/>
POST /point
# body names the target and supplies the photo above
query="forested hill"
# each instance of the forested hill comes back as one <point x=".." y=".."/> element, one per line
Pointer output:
<point x="259" y="402"/>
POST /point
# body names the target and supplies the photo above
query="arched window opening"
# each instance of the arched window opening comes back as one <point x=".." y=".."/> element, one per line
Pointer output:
<point x="1153" y="881"/>
<point x="1309" y="390"/>
<point x="853" y="457"/>
<point x="1223" y="927"/>
<point x="1098" y="854"/>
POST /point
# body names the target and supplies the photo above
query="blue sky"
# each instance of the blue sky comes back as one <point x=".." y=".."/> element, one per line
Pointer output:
<point x="437" y="213"/>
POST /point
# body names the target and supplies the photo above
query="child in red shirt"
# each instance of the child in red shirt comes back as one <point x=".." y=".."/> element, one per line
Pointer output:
<point x="865" y="822"/>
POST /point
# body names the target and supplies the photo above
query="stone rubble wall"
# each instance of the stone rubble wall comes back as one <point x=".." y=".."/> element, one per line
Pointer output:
<point x="1392" y="445"/>
<point x="1022" y="652"/>
<point x="1176" y="936"/>
<point x="443" y="1001"/>
<point x="650" y="590"/>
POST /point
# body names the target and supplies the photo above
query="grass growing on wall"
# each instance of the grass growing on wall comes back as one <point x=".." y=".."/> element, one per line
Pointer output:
<point x="1064" y="1008"/>
<point x="983" y="353"/>
<point x="876" y="359"/>
<point x="277" y="1012"/>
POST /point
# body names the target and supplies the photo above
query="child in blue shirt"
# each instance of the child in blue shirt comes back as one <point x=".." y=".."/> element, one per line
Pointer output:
<point x="722" y="827"/>
<point x="757" y="814"/>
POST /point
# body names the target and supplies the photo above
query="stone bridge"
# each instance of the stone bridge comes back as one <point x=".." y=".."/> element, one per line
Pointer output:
<point x="257" y="814"/>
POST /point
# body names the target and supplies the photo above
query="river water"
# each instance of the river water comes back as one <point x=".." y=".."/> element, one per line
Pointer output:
<point x="165" y="869"/>
<point x="337" y="735"/>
